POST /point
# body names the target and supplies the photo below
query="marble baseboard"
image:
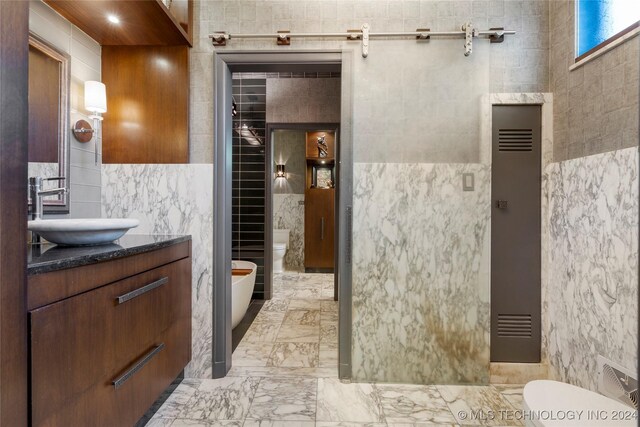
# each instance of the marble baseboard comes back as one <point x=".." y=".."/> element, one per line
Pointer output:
<point x="421" y="274"/>
<point x="172" y="199"/>
<point x="517" y="373"/>
<point x="592" y="294"/>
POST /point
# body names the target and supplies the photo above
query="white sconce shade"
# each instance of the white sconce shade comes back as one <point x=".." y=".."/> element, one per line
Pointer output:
<point x="95" y="97"/>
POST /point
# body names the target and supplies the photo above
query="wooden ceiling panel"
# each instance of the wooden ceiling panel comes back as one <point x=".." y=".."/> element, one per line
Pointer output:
<point x="142" y="22"/>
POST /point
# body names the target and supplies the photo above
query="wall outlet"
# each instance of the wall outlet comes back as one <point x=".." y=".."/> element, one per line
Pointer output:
<point x="468" y="182"/>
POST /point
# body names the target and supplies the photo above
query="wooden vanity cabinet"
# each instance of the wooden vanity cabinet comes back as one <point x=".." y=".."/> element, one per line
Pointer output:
<point x="102" y="356"/>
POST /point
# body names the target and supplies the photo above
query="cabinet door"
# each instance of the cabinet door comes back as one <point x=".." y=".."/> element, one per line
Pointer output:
<point x="102" y="358"/>
<point x="319" y="228"/>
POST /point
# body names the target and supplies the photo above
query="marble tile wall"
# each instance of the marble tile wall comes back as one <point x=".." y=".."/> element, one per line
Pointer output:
<point x="84" y="179"/>
<point x="420" y="273"/>
<point x="596" y="105"/>
<point x="172" y="199"/>
<point x="288" y="213"/>
<point x="592" y="297"/>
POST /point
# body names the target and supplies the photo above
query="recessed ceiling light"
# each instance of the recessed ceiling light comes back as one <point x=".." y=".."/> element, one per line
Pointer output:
<point x="113" y="19"/>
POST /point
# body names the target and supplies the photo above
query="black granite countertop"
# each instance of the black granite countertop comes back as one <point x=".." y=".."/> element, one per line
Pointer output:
<point x="49" y="257"/>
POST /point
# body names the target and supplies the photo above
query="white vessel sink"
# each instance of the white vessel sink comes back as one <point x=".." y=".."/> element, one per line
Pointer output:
<point x="82" y="232"/>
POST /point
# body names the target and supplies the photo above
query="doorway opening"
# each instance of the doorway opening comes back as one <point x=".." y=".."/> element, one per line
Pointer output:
<point x="292" y="321"/>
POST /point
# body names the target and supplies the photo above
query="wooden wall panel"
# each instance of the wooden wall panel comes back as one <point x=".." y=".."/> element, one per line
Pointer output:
<point x="182" y="11"/>
<point x="14" y="43"/>
<point x="148" y="104"/>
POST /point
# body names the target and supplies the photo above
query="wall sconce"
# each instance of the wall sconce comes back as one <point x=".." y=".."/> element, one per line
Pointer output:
<point x="95" y="101"/>
<point x="280" y="172"/>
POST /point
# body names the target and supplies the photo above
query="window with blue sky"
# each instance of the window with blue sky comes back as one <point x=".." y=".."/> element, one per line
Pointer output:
<point x="597" y="21"/>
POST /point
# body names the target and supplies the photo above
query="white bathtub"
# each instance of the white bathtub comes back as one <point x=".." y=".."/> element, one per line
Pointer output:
<point x="241" y="291"/>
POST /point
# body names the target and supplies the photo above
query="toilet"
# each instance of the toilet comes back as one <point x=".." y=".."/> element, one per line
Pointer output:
<point x="280" y="246"/>
<point x="553" y="403"/>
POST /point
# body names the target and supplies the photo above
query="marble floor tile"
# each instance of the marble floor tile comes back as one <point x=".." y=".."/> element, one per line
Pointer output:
<point x="304" y="304"/>
<point x="423" y="425"/>
<point x="302" y="317"/>
<point x="404" y="403"/>
<point x="328" y="357"/>
<point x="283" y="294"/>
<point x="174" y="404"/>
<point x="285" y="399"/>
<point x="183" y="422"/>
<point x="252" y="354"/>
<point x="329" y="317"/>
<point x="282" y="372"/>
<point x="355" y="402"/>
<point x="261" y="332"/>
<point x="159" y="422"/>
<point x="271" y="423"/>
<point x="474" y="405"/>
<point x="295" y="355"/>
<point x="298" y="333"/>
<point x="274" y="317"/>
<point x="348" y="424"/>
<point x="275" y="305"/>
<point x="306" y="293"/>
<point x="222" y="399"/>
<point x="329" y="333"/>
<point x="511" y="392"/>
<point x="329" y="306"/>
<point x="327" y="290"/>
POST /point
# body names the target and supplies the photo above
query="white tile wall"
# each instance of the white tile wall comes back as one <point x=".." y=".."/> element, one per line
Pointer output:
<point x="85" y="55"/>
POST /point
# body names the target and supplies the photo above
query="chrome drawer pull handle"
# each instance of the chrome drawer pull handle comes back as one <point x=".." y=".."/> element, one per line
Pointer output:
<point x="143" y="361"/>
<point x="146" y="288"/>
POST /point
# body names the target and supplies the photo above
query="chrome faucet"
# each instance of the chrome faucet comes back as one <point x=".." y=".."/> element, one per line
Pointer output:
<point x="36" y="194"/>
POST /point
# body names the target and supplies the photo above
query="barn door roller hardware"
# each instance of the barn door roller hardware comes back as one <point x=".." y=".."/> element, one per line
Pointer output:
<point x="364" y="34"/>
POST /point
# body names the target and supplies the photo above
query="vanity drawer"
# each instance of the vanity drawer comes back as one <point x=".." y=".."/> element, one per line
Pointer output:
<point x="82" y="347"/>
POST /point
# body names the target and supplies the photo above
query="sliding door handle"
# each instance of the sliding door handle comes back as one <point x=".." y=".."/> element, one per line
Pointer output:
<point x="322" y="228"/>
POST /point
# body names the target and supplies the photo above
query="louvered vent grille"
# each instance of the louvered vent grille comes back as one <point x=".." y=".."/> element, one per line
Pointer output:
<point x="618" y="384"/>
<point x="514" y="325"/>
<point x="515" y="140"/>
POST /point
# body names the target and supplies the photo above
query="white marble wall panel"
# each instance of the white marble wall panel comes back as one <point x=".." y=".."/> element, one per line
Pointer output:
<point x="421" y="273"/>
<point x="288" y="213"/>
<point x="593" y="279"/>
<point x="172" y="199"/>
